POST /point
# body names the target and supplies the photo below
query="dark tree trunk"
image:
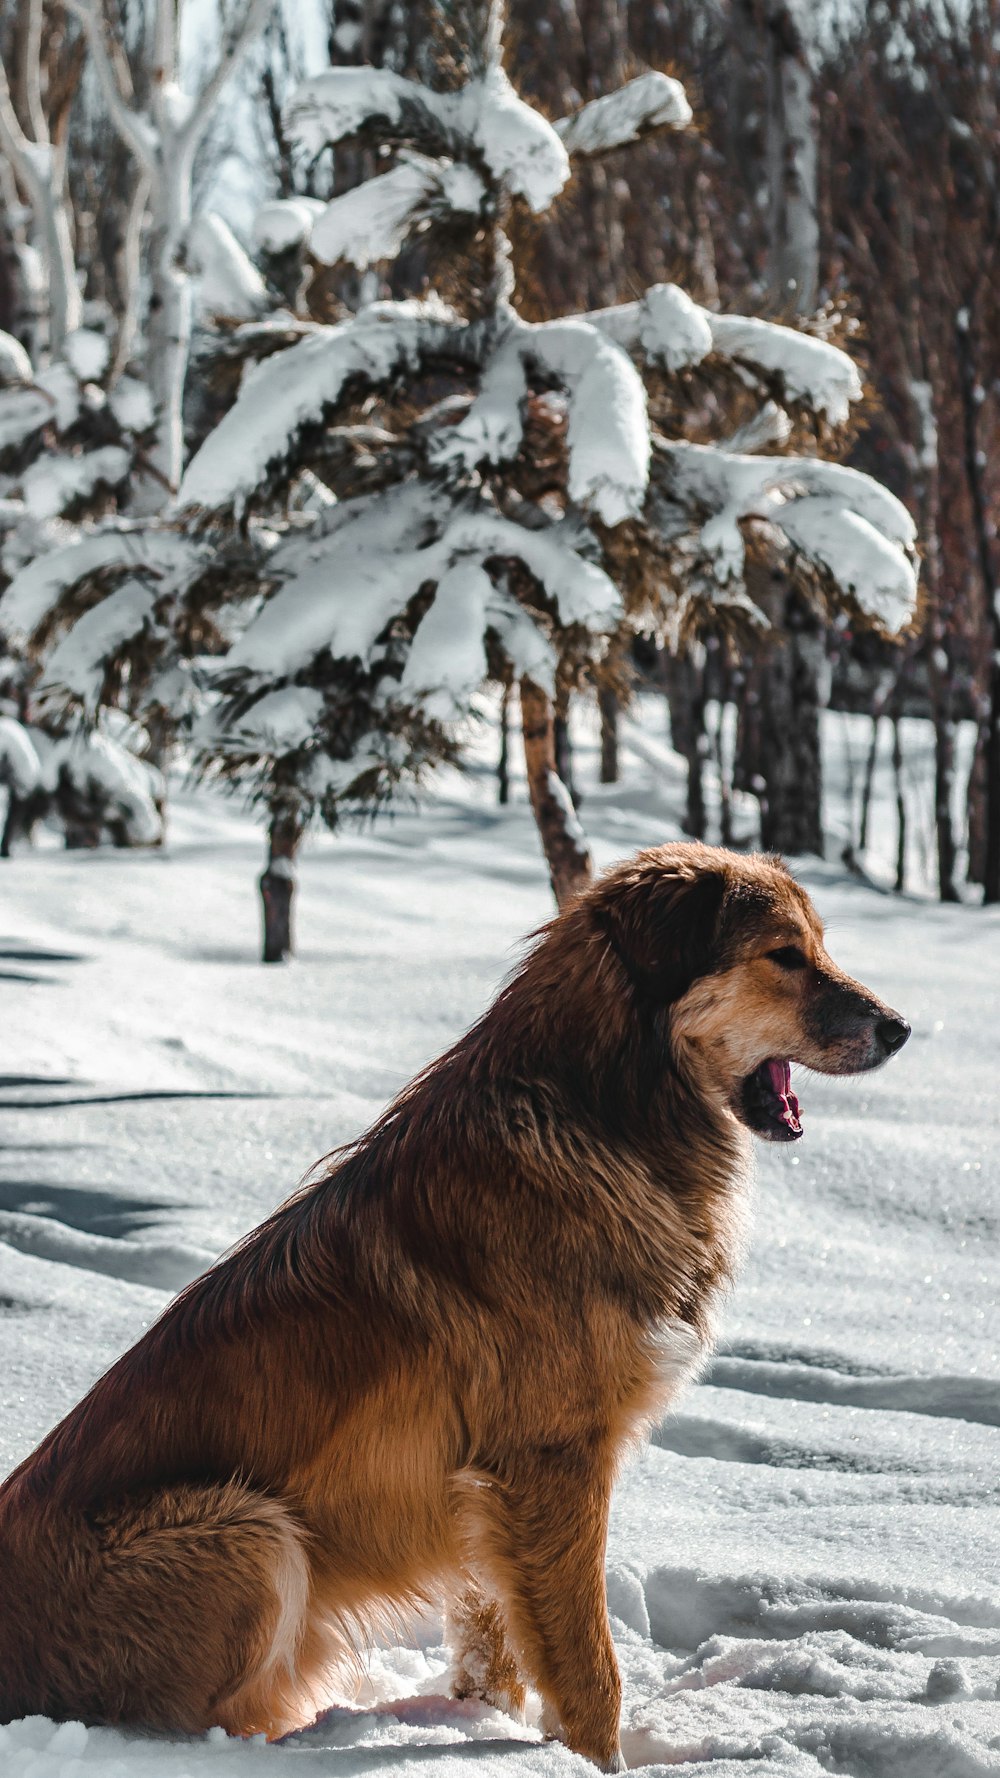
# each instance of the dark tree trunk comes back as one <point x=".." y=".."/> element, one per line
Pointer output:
<point x="975" y="802"/>
<point x="789" y="762"/>
<point x="897" y="772"/>
<point x="869" y="780"/>
<point x="162" y="734"/>
<point x="991" y="752"/>
<point x="791" y="133"/>
<point x="792" y="667"/>
<point x="566" y="854"/>
<point x="685" y="682"/>
<point x="23" y="812"/>
<point x="564" y="746"/>
<point x="277" y="886"/>
<point x="84" y="813"/>
<point x="607" y="704"/>
<point x="944" y="784"/>
<point x="503" y="763"/>
<point x="725" y="782"/>
<point x="974" y="464"/>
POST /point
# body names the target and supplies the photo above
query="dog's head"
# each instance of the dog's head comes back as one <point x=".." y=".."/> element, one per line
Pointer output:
<point x="731" y="948"/>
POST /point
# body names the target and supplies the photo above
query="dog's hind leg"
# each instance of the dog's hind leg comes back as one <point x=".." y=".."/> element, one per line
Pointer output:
<point x="181" y="1612"/>
<point x="485" y="1666"/>
<point x="541" y="1541"/>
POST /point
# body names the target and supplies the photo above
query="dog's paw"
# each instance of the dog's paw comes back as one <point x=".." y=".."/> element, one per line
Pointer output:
<point x="615" y="1764"/>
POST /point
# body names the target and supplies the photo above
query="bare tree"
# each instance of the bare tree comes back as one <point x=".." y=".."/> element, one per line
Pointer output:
<point x="38" y="160"/>
<point x="911" y="155"/>
<point x="164" y="142"/>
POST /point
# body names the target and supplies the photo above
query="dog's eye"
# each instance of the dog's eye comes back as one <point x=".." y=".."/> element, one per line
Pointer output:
<point x="788" y="957"/>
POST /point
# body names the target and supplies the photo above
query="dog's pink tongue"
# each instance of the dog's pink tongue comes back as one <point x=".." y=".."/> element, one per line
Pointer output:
<point x="781" y="1081"/>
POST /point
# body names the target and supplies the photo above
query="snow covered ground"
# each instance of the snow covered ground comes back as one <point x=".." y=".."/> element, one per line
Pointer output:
<point x="803" y="1567"/>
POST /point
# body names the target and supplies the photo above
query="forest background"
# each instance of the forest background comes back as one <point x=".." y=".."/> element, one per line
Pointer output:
<point x="165" y="223"/>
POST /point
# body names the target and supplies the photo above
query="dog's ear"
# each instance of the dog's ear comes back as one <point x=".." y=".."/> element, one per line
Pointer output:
<point x="663" y="926"/>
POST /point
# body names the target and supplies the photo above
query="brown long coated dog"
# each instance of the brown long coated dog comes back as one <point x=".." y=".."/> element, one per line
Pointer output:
<point x="420" y="1375"/>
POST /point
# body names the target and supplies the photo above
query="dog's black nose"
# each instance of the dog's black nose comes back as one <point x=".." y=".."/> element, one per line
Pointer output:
<point x="892" y="1034"/>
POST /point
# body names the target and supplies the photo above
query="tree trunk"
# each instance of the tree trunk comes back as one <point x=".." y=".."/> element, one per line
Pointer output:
<point x="793" y="268"/>
<point x="23" y="812"/>
<point x="566" y="852"/>
<point x="974" y="465"/>
<point x="503" y="763"/>
<point x="975" y="803"/>
<point x="940" y="677"/>
<point x="789" y="681"/>
<point x="897" y="772"/>
<point x="40" y="167"/>
<point x="277" y="886"/>
<point x="725" y="781"/>
<point x="869" y="781"/>
<point x="686" y="700"/>
<point x="607" y="704"/>
<point x="168" y="328"/>
<point x="564" y="746"/>
<point x="790" y="761"/>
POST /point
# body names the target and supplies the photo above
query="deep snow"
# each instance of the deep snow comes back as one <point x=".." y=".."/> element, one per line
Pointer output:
<point x="803" y="1566"/>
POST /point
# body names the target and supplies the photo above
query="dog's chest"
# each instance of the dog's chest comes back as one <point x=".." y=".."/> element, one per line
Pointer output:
<point x="673" y="1347"/>
<point x="674" y="1352"/>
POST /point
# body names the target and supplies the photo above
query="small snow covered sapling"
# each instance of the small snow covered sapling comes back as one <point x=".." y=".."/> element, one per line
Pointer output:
<point x="528" y="497"/>
<point x="67" y="449"/>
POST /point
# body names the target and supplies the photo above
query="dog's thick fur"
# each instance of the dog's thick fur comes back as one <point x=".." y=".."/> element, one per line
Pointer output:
<point x="421" y="1373"/>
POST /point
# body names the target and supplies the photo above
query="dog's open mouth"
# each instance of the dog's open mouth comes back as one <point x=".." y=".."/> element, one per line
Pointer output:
<point x="768" y="1104"/>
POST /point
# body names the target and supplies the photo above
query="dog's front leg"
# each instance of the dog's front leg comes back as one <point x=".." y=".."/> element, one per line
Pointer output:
<point x="544" y="1539"/>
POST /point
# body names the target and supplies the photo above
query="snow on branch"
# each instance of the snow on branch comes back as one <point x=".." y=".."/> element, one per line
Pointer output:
<point x="524" y="645"/>
<point x="340" y="102"/>
<point x="100" y="768"/>
<point x="349" y="579"/>
<point x="20" y="766"/>
<point x="518" y="144"/>
<point x="808" y="369"/>
<point x="841" y="520"/>
<point x="297" y="388"/>
<point x="343" y="581"/>
<point x="447" y="660"/>
<point x="52" y="398"/>
<point x="373" y="220"/>
<point x="651" y="102"/>
<point x="24" y="409"/>
<point x="483" y="122"/>
<point x="279" y="722"/>
<point x="54" y="481"/>
<point x="15" y="365"/>
<point x="77" y="666"/>
<point x="34" y="594"/>
<point x="283" y="224"/>
<point x="608" y="428"/>
<point x="492" y="428"/>
<point x="228" y="282"/>
<point x="666" y="327"/>
<point x="608" y="434"/>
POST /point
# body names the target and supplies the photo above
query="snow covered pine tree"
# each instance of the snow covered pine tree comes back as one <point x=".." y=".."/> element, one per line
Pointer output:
<point x="522" y="518"/>
<point x="436" y="491"/>
<point x="67" y="448"/>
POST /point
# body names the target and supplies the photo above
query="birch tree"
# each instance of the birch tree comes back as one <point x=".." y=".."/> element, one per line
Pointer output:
<point x="163" y="142"/>
<point x="37" y="159"/>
